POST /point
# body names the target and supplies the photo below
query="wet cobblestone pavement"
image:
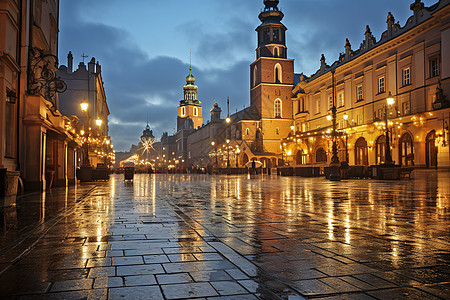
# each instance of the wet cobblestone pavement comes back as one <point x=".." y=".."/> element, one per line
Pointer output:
<point x="230" y="237"/>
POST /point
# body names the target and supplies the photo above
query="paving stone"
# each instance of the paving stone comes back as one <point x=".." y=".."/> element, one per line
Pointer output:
<point x="313" y="287"/>
<point x="188" y="290"/>
<point x="211" y="275"/>
<point x="140" y="292"/>
<point x="139" y="270"/>
<point x="102" y="272"/>
<point x="174" y="278"/>
<point x="228" y="287"/>
<point x="140" y="280"/>
<point x="108" y="282"/>
<point x="402" y="293"/>
<point x="71" y="285"/>
<point x="127" y="260"/>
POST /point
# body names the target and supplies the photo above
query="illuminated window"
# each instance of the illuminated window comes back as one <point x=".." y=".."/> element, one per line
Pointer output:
<point x="340" y="100"/>
<point x="359" y="93"/>
<point x="277" y="108"/>
<point x="278" y="74"/>
<point x="406" y="76"/>
<point x="381" y="85"/>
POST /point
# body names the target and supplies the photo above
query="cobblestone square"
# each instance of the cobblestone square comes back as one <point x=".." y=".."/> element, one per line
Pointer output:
<point x="177" y="236"/>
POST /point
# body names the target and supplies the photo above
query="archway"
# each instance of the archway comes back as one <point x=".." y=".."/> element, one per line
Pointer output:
<point x="361" y="152"/>
<point x="380" y="150"/>
<point x="244" y="159"/>
<point x="321" y="155"/>
<point x="431" y="150"/>
<point x="298" y="157"/>
<point x="405" y="153"/>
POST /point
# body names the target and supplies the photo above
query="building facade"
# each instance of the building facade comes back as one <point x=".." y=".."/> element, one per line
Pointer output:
<point x="36" y="139"/>
<point x="189" y="118"/>
<point x="85" y="85"/>
<point x="411" y="63"/>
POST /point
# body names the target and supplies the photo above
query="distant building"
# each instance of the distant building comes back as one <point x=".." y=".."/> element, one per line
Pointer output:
<point x="189" y="118"/>
<point x="85" y="85"/>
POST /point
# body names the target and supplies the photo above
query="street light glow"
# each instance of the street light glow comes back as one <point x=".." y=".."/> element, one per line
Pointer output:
<point x="84" y="106"/>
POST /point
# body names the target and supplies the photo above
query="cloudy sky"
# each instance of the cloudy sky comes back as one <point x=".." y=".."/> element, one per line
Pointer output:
<point x="143" y="47"/>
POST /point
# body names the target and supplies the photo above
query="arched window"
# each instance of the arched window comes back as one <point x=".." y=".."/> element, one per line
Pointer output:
<point x="255" y="73"/>
<point x="361" y="152"/>
<point x="277" y="108"/>
<point x="321" y="155"/>
<point x="183" y="111"/>
<point x="247" y="132"/>
<point x="195" y="111"/>
<point x="406" y="154"/>
<point x="431" y="150"/>
<point x="278" y="74"/>
<point x="380" y="149"/>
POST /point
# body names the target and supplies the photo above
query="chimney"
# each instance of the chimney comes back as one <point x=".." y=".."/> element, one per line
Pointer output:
<point x="70" y="62"/>
<point x="91" y="65"/>
<point x="98" y="68"/>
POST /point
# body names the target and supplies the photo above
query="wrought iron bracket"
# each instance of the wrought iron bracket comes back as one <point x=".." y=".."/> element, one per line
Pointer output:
<point x="42" y="79"/>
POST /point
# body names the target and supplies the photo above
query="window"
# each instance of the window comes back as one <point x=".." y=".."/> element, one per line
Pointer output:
<point x="277" y="108"/>
<point x="330" y="102"/>
<point x="318" y="106"/>
<point x="195" y="111"/>
<point x="255" y="70"/>
<point x="183" y="111"/>
<point x="405" y="108"/>
<point x="278" y="74"/>
<point x="406" y="76"/>
<point x="359" y="93"/>
<point x="278" y="130"/>
<point x="359" y="119"/>
<point x="301" y="105"/>
<point x="275" y="35"/>
<point x="340" y="100"/>
<point x="434" y="66"/>
<point x="247" y="131"/>
<point x="266" y="35"/>
<point x="381" y="85"/>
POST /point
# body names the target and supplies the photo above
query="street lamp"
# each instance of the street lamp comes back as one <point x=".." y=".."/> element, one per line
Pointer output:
<point x="389" y="102"/>
<point x="346" y="137"/>
<point x="84" y="108"/>
<point x="334" y="164"/>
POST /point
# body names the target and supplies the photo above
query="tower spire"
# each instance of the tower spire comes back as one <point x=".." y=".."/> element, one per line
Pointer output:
<point x="271" y="32"/>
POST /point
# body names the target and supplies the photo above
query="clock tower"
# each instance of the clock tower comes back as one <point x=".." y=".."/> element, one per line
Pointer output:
<point x="272" y="78"/>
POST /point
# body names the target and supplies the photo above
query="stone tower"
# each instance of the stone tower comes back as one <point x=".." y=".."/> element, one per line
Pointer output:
<point x="272" y="78"/>
<point x="189" y="114"/>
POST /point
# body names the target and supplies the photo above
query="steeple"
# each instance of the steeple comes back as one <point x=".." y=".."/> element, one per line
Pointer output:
<point x="190" y="91"/>
<point x="271" y="32"/>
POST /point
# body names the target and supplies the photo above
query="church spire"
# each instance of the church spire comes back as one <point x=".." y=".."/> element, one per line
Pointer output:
<point x="271" y="32"/>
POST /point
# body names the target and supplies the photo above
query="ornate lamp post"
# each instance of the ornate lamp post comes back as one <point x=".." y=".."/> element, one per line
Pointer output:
<point x="346" y="137"/>
<point x="334" y="164"/>
<point x="389" y="102"/>
<point x="84" y="107"/>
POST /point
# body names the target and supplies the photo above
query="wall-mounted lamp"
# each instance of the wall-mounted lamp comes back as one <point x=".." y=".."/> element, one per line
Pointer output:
<point x="11" y="97"/>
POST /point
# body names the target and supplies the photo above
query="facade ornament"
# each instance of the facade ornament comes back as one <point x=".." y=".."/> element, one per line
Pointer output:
<point x="416" y="6"/>
<point x="42" y="79"/>
<point x="441" y="100"/>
